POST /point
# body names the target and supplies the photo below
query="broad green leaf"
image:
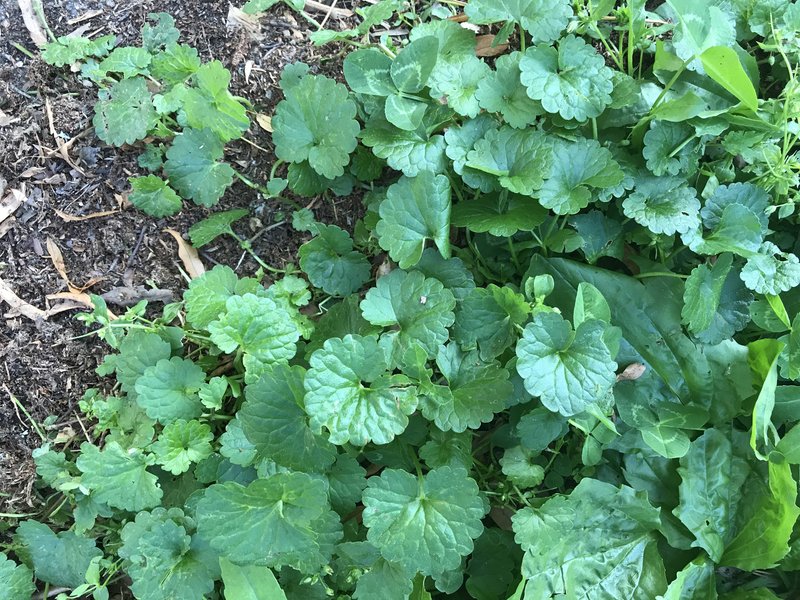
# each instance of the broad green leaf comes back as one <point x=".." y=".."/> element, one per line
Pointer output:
<point x="152" y="195"/>
<point x="17" y="579"/>
<point x="518" y="158"/>
<point x="664" y="205"/>
<point x="771" y="271"/>
<point x="206" y="231"/>
<point x="206" y="297"/>
<point x="323" y="133"/>
<point x="701" y="25"/>
<point x="331" y="263"/>
<point x="578" y="169"/>
<point x="568" y="370"/>
<point x="789" y="446"/>
<point x="763" y="359"/>
<point x="175" y="64"/>
<point x="420" y="308"/>
<point x="68" y="49"/>
<point x="405" y="113"/>
<point x="501" y="92"/>
<point x="58" y="559"/>
<point x="722" y="65"/>
<point x="167" y="391"/>
<point x="118" y="477"/>
<point x="257" y="326"/>
<point x="194" y="169"/>
<point x="408" y="151"/>
<point x="426" y="524"/>
<point x="211" y="106"/>
<point x="543" y="19"/>
<point x="502" y="214"/>
<point x="415" y="210"/>
<point x="671" y="148"/>
<point x="789" y="360"/>
<point x="274" y="411"/>
<point x="461" y="140"/>
<point x="129" y="61"/>
<point x="249" y="582"/>
<point x="492" y="568"/>
<point x="367" y="72"/>
<point x="124" y="113"/>
<point x="164" y="560"/>
<point x="338" y="399"/>
<point x="571" y="80"/>
<point x="159" y="34"/>
<point x="412" y="67"/>
<point x="518" y="466"/>
<point x="475" y="391"/>
<point x="711" y="479"/>
<point x="696" y="581"/>
<point x="489" y="319"/>
<point x="702" y="293"/>
<point x="597" y="542"/>
<point x="273" y="517"/>
<point x="182" y="443"/>
<point x="138" y="351"/>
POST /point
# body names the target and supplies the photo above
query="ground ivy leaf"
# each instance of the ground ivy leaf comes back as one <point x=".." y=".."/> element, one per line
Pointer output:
<point x="168" y="390"/>
<point x="475" y="391"/>
<point x="153" y="196"/>
<point x="129" y="61"/>
<point x="543" y="19"/>
<point x="118" y="477"/>
<point x="336" y="397"/>
<point x="346" y="481"/>
<point x="600" y="235"/>
<point x="447" y="448"/>
<point x="732" y="313"/>
<point x="258" y="326"/>
<point x="745" y="194"/>
<point x="235" y="446"/>
<point x="58" y="559"/>
<point x="138" y="351"/>
<point x="458" y="82"/>
<point x="493" y="566"/>
<point x="182" y="443"/>
<point x="175" y="64"/>
<point x="385" y="581"/>
<point x="159" y="34"/>
<point x="612" y="529"/>
<point x="452" y="272"/>
<point x="211" y="106"/>
<point x="323" y="133"/>
<point x="68" y="49"/>
<point x="501" y="92"/>
<point x="738" y="230"/>
<point x="664" y="205"/>
<point x="194" y="169"/>
<point x="488" y="318"/>
<point x="568" y="370"/>
<point x="331" y="263"/>
<point x="274" y="411"/>
<point x="415" y="210"/>
<point x="206" y="231"/>
<point x="17" y="579"/>
<point x="427" y="525"/>
<point x="124" y="113"/>
<point x="408" y="151"/>
<point x="518" y="466"/>
<point x="670" y="149"/>
<point x="771" y="271"/>
<point x="518" y="158"/>
<point x="206" y="297"/>
<point x="700" y="27"/>
<point x="501" y="215"/>
<point x="273" y="517"/>
<point x="421" y="308"/>
<point x="539" y="427"/>
<point x="571" y="80"/>
<point x="460" y="141"/>
<point x="578" y="168"/>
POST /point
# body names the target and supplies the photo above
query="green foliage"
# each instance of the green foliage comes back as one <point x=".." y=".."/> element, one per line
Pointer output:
<point x="531" y="371"/>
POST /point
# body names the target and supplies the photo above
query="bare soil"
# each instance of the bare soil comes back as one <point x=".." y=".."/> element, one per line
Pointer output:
<point x="45" y="366"/>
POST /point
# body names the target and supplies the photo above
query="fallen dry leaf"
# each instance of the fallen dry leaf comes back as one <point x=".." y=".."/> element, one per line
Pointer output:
<point x="10" y="203"/>
<point x="32" y="23"/>
<point x="188" y="255"/>
<point x="6" y="226"/>
<point x="484" y="46"/>
<point x="19" y="305"/>
<point x="63" y="149"/>
<point x="70" y="218"/>
<point x="265" y="121"/>
<point x="79" y="297"/>
<point x="631" y="372"/>
<point x="58" y="261"/>
<point x="6" y="119"/>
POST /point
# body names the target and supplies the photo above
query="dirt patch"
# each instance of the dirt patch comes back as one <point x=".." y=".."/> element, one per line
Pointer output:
<point x="45" y="366"/>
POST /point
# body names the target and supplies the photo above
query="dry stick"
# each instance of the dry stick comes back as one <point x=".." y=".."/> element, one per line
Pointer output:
<point x="336" y="12"/>
<point x="328" y="16"/>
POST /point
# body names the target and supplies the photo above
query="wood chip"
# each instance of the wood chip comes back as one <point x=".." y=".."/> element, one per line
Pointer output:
<point x="188" y="255"/>
<point x="71" y="218"/>
<point x="18" y="305"/>
<point x="484" y="46"/>
<point x="10" y="203"/>
<point x="32" y="23"/>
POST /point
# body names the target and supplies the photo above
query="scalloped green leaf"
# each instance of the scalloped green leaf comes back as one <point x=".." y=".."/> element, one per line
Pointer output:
<point x="124" y="113"/>
<point x="167" y="391"/>
<point x="331" y="263"/>
<point x="153" y="196"/>
<point x="194" y="168"/>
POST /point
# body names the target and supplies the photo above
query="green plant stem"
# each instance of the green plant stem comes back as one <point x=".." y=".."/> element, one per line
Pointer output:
<point x="258" y="187"/>
<point x="32" y="421"/>
<point x="669" y="85"/>
<point x="247" y="247"/>
<point x="23" y="49"/>
<point x="660" y="274"/>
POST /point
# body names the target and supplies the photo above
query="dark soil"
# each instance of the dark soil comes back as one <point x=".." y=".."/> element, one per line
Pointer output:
<point x="45" y="367"/>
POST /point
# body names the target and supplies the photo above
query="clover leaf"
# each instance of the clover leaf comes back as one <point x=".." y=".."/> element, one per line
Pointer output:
<point x="543" y="19"/>
<point x="517" y="157"/>
<point x="475" y="391"/>
<point x="415" y="210"/>
<point x="420" y="308"/>
<point x="274" y="411"/>
<point x="571" y="80"/>
<point x="321" y="132"/>
<point x="153" y="196"/>
<point x="426" y="524"/>
<point x="194" y="169"/>
<point x="182" y="443"/>
<point x="578" y="168"/>
<point x="124" y="113"/>
<point x="569" y="370"/>
<point x="167" y="391"/>
<point x="350" y="392"/>
<point x="331" y="263"/>
<point x="501" y="92"/>
<point x="771" y="271"/>
<point x="664" y="205"/>
<point x="367" y="71"/>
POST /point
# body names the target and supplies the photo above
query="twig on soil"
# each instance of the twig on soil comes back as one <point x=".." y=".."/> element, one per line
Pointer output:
<point x="135" y="251"/>
<point x="335" y="12"/>
<point x="83" y="427"/>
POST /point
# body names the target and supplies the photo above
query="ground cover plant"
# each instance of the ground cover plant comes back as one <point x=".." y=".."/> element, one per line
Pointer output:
<point x="556" y="359"/>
